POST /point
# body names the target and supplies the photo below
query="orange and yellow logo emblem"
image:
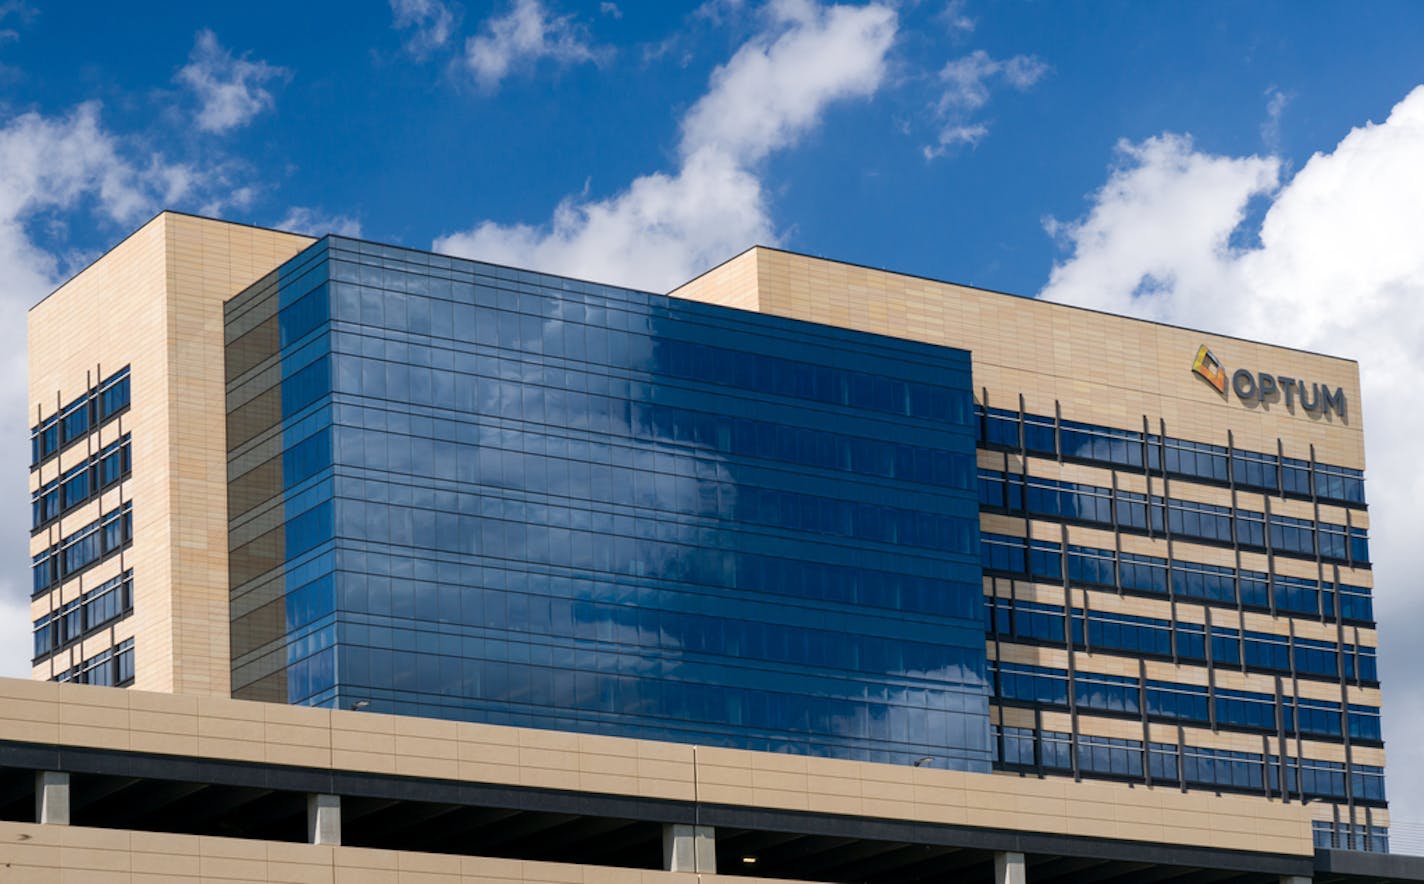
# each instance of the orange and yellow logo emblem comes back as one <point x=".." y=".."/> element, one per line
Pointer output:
<point x="1209" y="368"/>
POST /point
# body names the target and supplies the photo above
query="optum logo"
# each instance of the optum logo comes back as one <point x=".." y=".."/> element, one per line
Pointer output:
<point x="1260" y="388"/>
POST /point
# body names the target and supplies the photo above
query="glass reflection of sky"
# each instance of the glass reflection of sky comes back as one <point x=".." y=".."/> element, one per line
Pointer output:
<point x="547" y="503"/>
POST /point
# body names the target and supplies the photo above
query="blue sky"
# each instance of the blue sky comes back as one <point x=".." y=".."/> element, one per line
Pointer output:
<point x="411" y="147"/>
<point x="1185" y="162"/>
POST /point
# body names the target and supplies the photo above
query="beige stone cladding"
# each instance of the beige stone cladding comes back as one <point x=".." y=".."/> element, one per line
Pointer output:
<point x="154" y="303"/>
<point x="33" y="854"/>
<point x="238" y="730"/>
<point x="733" y="283"/>
<point x="1098" y="367"/>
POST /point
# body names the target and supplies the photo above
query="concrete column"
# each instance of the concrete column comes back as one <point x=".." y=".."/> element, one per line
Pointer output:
<point x="1295" y="879"/>
<point x="689" y="848"/>
<point x="52" y="797"/>
<point x="1010" y="868"/>
<point x="324" y="819"/>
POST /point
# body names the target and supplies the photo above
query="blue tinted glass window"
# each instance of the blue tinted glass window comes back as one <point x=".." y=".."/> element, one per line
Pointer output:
<point x="1223" y="769"/>
<point x="1036" y="622"/>
<point x="1176" y="701"/>
<point x="1317" y="717"/>
<point x="1088" y="442"/>
<point x="1367" y="782"/>
<point x="300" y="319"/>
<point x="1199" y="520"/>
<point x="1110" y="756"/>
<point x="74" y="420"/>
<point x="1317" y="658"/>
<point x="113" y="395"/>
<point x="1191" y="641"/>
<point x="1018" y="747"/>
<point x="1106" y="693"/>
<point x="1144" y="573"/>
<point x="309" y="384"/>
<point x="1251" y="529"/>
<point x="1365" y="664"/>
<point x="1225" y="646"/>
<point x="1045" y="559"/>
<point x="1254" y="470"/>
<point x="75" y="486"/>
<point x="1359" y="546"/>
<point x="1002" y="553"/>
<point x="1211" y="582"/>
<point x="114" y="463"/>
<point x="1039" y="435"/>
<point x="1297" y="595"/>
<point x="1136" y="635"/>
<point x="1245" y="709"/>
<point x="1320" y="779"/>
<point x="45" y="440"/>
<point x="45" y="503"/>
<point x="1056" y="749"/>
<point x="1033" y="684"/>
<point x="1265" y="651"/>
<point x="1295" y="476"/>
<point x="1255" y="589"/>
<point x="1001" y="428"/>
<point x="1364" y="723"/>
<point x="1162" y="759"/>
<point x="1091" y="566"/>
<point x="1195" y="460"/>
<point x="1356" y="604"/>
<point x="1339" y="484"/>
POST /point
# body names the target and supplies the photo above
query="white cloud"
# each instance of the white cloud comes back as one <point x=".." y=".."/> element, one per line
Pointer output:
<point x="230" y="91"/>
<point x="430" y="23"/>
<point x="955" y="18"/>
<point x="610" y="9"/>
<point x="223" y="194"/>
<point x="952" y="136"/>
<point x="1162" y="222"/>
<point x="313" y="222"/>
<point x="719" y="12"/>
<point x="686" y="42"/>
<point x="967" y="79"/>
<point x="665" y="228"/>
<point x="1338" y="269"/>
<point x="20" y="10"/>
<point x="521" y="38"/>
<point x="1276" y="102"/>
<point x="52" y="164"/>
<point x="967" y="83"/>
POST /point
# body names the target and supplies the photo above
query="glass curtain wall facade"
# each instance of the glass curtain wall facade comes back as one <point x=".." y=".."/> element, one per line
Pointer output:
<point x="465" y="491"/>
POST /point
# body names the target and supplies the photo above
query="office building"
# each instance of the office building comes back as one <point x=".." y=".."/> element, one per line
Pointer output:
<point x="126" y="367"/>
<point x="826" y="521"/>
